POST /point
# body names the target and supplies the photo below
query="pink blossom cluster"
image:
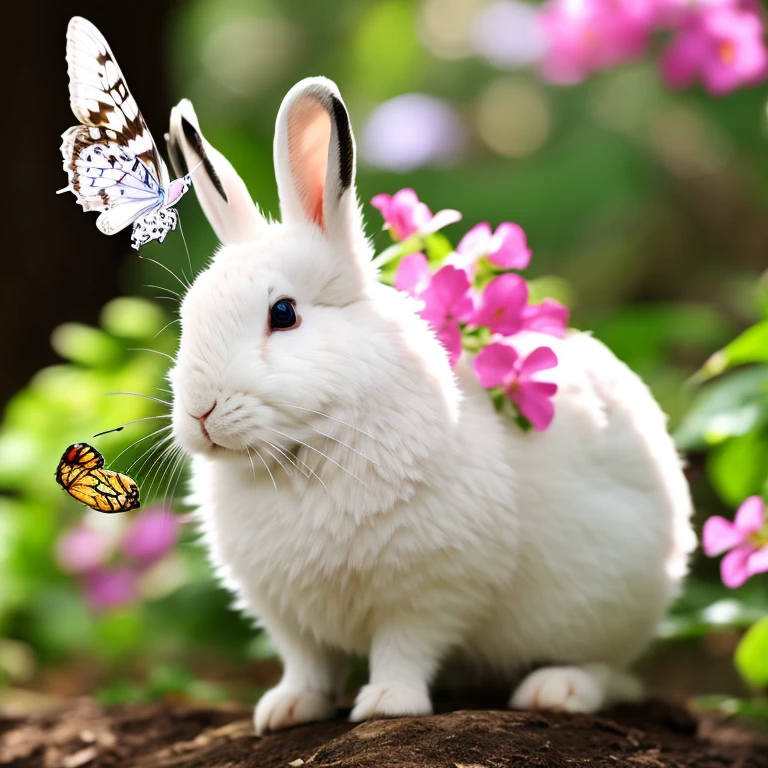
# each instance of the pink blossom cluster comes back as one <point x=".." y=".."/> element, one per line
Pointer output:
<point x="745" y="540"/>
<point x="110" y="570"/>
<point x="717" y="42"/>
<point x="473" y="299"/>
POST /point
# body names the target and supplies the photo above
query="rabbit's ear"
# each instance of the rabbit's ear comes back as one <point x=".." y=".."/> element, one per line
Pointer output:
<point x="221" y="192"/>
<point x="315" y="159"/>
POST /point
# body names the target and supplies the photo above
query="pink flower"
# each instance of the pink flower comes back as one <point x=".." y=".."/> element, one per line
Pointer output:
<point x="151" y="535"/>
<point x="501" y="305"/>
<point x="584" y="36"/>
<point x="82" y="549"/>
<point x="447" y="302"/>
<point x="413" y="274"/>
<point x="405" y="215"/>
<point x="548" y="317"/>
<point x="499" y="365"/>
<point x="506" y="247"/>
<point x="109" y="588"/>
<point x="746" y="538"/>
<point x="720" y="44"/>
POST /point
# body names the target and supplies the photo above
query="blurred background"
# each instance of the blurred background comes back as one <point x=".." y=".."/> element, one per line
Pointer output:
<point x="645" y="208"/>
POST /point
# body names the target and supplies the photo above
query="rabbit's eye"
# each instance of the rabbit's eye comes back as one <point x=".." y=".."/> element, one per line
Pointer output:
<point x="282" y="315"/>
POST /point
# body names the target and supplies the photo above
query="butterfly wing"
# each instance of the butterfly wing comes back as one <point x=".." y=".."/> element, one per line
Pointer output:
<point x="118" y="217"/>
<point x="106" y="491"/>
<point x="111" y="159"/>
<point x="82" y="475"/>
<point x="100" y="98"/>
<point x="103" y="174"/>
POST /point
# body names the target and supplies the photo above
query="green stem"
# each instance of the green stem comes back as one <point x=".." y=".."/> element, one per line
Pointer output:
<point x="411" y="244"/>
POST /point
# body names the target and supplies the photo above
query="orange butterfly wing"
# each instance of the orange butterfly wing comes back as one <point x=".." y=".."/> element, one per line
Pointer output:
<point x="82" y="475"/>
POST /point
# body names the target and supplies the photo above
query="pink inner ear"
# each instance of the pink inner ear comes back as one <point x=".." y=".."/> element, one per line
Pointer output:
<point x="309" y="136"/>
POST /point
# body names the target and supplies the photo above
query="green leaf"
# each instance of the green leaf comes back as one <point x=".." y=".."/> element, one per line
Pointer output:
<point x="750" y="347"/>
<point x="85" y="345"/>
<point x="132" y="318"/>
<point x="752" y="655"/>
<point x="739" y="467"/>
<point x="726" y="408"/>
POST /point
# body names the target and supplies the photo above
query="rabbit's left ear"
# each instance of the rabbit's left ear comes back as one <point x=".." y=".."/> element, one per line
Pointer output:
<point x="315" y="159"/>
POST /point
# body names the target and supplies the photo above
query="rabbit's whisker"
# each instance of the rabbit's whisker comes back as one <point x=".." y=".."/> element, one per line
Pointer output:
<point x="173" y="465"/>
<point x="167" y="325"/>
<point x="178" y="471"/>
<point x="317" y="450"/>
<point x="293" y="459"/>
<point x="156" y="466"/>
<point x="285" y="469"/>
<point x="140" y="394"/>
<point x="186" y="248"/>
<point x="149" y="458"/>
<point x="325" y="415"/>
<point x="153" y="351"/>
<point x="271" y="477"/>
<point x="168" y="270"/>
<point x="149" y="450"/>
<point x="164" y="288"/>
<point x="287" y="456"/>
<point x="141" y="440"/>
<point x="341" y="442"/>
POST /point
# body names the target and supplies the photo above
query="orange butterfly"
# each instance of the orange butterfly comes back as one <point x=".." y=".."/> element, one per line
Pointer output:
<point x="82" y="475"/>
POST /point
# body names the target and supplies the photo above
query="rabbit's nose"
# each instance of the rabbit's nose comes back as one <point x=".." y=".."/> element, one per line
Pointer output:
<point x="202" y="419"/>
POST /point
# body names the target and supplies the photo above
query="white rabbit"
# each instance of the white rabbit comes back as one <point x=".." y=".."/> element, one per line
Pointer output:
<point x="360" y="498"/>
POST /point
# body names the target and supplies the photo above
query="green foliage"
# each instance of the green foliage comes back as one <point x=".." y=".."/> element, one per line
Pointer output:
<point x="750" y="347"/>
<point x="752" y="654"/>
<point x="67" y="403"/>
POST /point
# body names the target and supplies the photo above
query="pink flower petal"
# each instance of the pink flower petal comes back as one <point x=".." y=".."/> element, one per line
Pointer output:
<point x="439" y="221"/>
<point x="734" y="567"/>
<point x="534" y="400"/>
<point x="719" y="535"/>
<point x="510" y="249"/>
<point x="501" y="305"/>
<point x="541" y="359"/>
<point x="758" y="561"/>
<point x="448" y="296"/>
<point x="549" y="317"/>
<point x="110" y="588"/>
<point x="151" y="535"/>
<point x="750" y="515"/>
<point x="450" y="337"/>
<point x="406" y="215"/>
<point x="494" y="364"/>
<point x="476" y="241"/>
<point x="682" y="62"/>
<point x="413" y="274"/>
<point x="383" y="202"/>
<point x="82" y="549"/>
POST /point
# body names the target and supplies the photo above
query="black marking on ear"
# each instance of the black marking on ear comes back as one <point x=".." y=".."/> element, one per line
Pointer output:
<point x="194" y="138"/>
<point x="346" y="145"/>
<point x="178" y="164"/>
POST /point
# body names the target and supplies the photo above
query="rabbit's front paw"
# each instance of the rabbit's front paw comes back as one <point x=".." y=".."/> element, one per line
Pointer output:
<point x="283" y="707"/>
<point x="568" y="689"/>
<point x="395" y="699"/>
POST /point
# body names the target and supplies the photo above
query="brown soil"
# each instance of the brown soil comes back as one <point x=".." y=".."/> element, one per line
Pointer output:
<point x="85" y="734"/>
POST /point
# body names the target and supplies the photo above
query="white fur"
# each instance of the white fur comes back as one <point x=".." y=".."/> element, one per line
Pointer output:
<point x="409" y="520"/>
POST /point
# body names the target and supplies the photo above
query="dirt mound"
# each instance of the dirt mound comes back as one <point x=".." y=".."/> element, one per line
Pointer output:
<point x="85" y="734"/>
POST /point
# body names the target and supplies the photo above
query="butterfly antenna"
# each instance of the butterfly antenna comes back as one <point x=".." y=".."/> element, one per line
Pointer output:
<point x="133" y="421"/>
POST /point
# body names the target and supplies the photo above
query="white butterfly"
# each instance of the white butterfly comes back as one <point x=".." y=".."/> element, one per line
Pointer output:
<point x="111" y="159"/>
